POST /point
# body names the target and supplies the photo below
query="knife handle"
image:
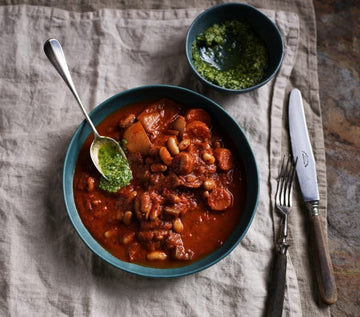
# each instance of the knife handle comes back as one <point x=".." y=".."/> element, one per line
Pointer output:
<point x="275" y="299"/>
<point x="323" y="267"/>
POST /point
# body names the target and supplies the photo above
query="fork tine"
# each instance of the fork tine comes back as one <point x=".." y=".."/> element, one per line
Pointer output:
<point x="292" y="176"/>
<point x="288" y="179"/>
<point x="280" y="183"/>
<point x="283" y="194"/>
<point x="288" y="176"/>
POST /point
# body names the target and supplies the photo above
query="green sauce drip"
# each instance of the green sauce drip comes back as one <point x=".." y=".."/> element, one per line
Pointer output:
<point x="230" y="55"/>
<point x="115" y="167"/>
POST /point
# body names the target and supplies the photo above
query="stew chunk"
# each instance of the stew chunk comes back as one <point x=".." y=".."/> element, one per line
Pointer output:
<point x="223" y="158"/>
<point x="220" y="199"/>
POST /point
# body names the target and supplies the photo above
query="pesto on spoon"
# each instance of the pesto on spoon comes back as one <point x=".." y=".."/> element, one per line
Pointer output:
<point x="106" y="153"/>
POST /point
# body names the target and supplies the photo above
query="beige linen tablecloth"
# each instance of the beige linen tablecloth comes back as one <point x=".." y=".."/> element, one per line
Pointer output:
<point x="46" y="270"/>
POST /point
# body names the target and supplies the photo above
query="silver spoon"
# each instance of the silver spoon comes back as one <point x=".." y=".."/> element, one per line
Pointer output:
<point x="55" y="54"/>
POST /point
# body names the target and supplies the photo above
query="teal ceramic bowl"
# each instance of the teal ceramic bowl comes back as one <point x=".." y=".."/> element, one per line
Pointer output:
<point x="264" y="28"/>
<point x="187" y="98"/>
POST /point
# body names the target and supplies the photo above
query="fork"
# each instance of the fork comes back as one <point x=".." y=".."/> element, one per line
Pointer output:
<point x="283" y="202"/>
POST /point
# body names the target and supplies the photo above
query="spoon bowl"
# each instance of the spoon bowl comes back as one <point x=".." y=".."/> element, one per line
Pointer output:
<point x="55" y="54"/>
<point x="98" y="142"/>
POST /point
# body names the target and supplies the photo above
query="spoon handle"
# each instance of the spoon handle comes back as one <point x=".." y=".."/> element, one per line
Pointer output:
<point x="55" y="54"/>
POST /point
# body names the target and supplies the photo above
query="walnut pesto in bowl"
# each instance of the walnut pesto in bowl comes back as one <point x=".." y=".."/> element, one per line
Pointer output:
<point x="233" y="47"/>
<point x="230" y="55"/>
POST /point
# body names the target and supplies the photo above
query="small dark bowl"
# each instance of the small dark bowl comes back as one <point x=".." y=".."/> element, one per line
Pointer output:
<point x="260" y="23"/>
<point x="187" y="98"/>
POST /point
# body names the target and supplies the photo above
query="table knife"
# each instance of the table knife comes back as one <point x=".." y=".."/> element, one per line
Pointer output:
<point x="307" y="178"/>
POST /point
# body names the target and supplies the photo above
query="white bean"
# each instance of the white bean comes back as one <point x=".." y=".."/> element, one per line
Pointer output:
<point x="209" y="184"/>
<point x="184" y="144"/>
<point x="156" y="255"/>
<point x="127" y="217"/>
<point x="178" y="225"/>
<point x="165" y="156"/>
<point x="208" y="158"/>
<point x="172" y="146"/>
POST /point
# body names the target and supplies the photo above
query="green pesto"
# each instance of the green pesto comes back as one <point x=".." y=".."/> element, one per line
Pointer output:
<point x="230" y="55"/>
<point x="115" y="167"/>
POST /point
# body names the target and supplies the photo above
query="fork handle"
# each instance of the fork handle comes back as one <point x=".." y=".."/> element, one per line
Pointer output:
<point x="275" y="299"/>
<point x="324" y="271"/>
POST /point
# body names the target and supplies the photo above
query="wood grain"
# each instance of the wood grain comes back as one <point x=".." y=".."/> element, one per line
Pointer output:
<point x="323" y="267"/>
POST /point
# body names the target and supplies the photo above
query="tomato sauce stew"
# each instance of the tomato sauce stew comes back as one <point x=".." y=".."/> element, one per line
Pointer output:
<point x="187" y="193"/>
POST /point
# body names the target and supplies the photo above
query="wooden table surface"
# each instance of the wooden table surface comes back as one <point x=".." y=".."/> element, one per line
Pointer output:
<point x="338" y="31"/>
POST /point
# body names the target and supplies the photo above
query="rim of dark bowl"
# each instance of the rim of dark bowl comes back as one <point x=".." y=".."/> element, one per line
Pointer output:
<point x="83" y="131"/>
<point x="188" y="46"/>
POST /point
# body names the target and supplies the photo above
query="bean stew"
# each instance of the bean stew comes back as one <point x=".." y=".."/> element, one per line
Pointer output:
<point x="187" y="193"/>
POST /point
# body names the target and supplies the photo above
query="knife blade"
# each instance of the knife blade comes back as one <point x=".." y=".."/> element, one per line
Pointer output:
<point x="301" y="148"/>
<point x="307" y="178"/>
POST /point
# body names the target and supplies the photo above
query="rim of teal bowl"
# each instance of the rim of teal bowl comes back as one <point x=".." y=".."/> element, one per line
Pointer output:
<point x="97" y="115"/>
<point x="219" y="6"/>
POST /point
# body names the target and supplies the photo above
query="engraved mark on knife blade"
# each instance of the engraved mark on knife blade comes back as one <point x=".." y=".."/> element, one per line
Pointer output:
<point x="305" y="158"/>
